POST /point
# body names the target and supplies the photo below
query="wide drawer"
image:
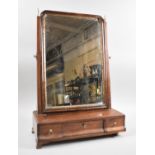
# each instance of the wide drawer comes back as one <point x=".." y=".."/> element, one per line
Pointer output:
<point x="84" y="127"/>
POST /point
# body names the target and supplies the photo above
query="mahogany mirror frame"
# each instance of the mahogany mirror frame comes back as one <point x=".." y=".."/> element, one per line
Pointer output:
<point x="41" y="86"/>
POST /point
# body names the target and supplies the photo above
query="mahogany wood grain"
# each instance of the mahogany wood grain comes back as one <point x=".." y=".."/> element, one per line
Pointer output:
<point x="76" y="115"/>
<point x="39" y="68"/>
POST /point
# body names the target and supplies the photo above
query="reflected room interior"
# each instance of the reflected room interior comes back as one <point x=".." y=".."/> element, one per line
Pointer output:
<point x="73" y="61"/>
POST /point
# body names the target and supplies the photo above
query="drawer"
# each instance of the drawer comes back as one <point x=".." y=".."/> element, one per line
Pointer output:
<point x="51" y="130"/>
<point x="114" y="124"/>
<point x="84" y="127"/>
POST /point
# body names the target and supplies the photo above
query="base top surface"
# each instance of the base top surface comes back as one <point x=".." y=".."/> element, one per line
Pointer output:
<point x="76" y="115"/>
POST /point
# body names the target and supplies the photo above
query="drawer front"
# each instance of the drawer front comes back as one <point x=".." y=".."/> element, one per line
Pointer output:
<point x="51" y="130"/>
<point x="84" y="127"/>
<point x="114" y="124"/>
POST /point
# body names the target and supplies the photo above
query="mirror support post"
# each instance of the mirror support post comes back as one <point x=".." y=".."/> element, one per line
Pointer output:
<point x="108" y="89"/>
<point x="39" y="68"/>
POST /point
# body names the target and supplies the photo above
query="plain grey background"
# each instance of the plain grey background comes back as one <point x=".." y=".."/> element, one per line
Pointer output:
<point x="120" y="15"/>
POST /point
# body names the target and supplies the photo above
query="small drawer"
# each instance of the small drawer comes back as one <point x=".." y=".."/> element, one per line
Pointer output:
<point x="114" y="124"/>
<point x="53" y="130"/>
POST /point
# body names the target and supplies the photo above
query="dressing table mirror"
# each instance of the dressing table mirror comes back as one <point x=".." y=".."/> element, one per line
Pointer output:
<point x="73" y="81"/>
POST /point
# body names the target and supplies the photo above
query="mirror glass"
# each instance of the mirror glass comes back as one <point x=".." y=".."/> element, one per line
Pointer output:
<point x="73" y="63"/>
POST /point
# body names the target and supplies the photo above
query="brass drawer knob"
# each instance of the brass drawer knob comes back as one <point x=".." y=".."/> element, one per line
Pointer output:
<point x="115" y="123"/>
<point x="50" y="131"/>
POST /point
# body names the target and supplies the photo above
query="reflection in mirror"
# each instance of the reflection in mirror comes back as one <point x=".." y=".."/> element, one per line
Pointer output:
<point x="73" y="61"/>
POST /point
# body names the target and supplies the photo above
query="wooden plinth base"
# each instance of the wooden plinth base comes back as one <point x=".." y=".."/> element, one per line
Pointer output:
<point x="50" y="128"/>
